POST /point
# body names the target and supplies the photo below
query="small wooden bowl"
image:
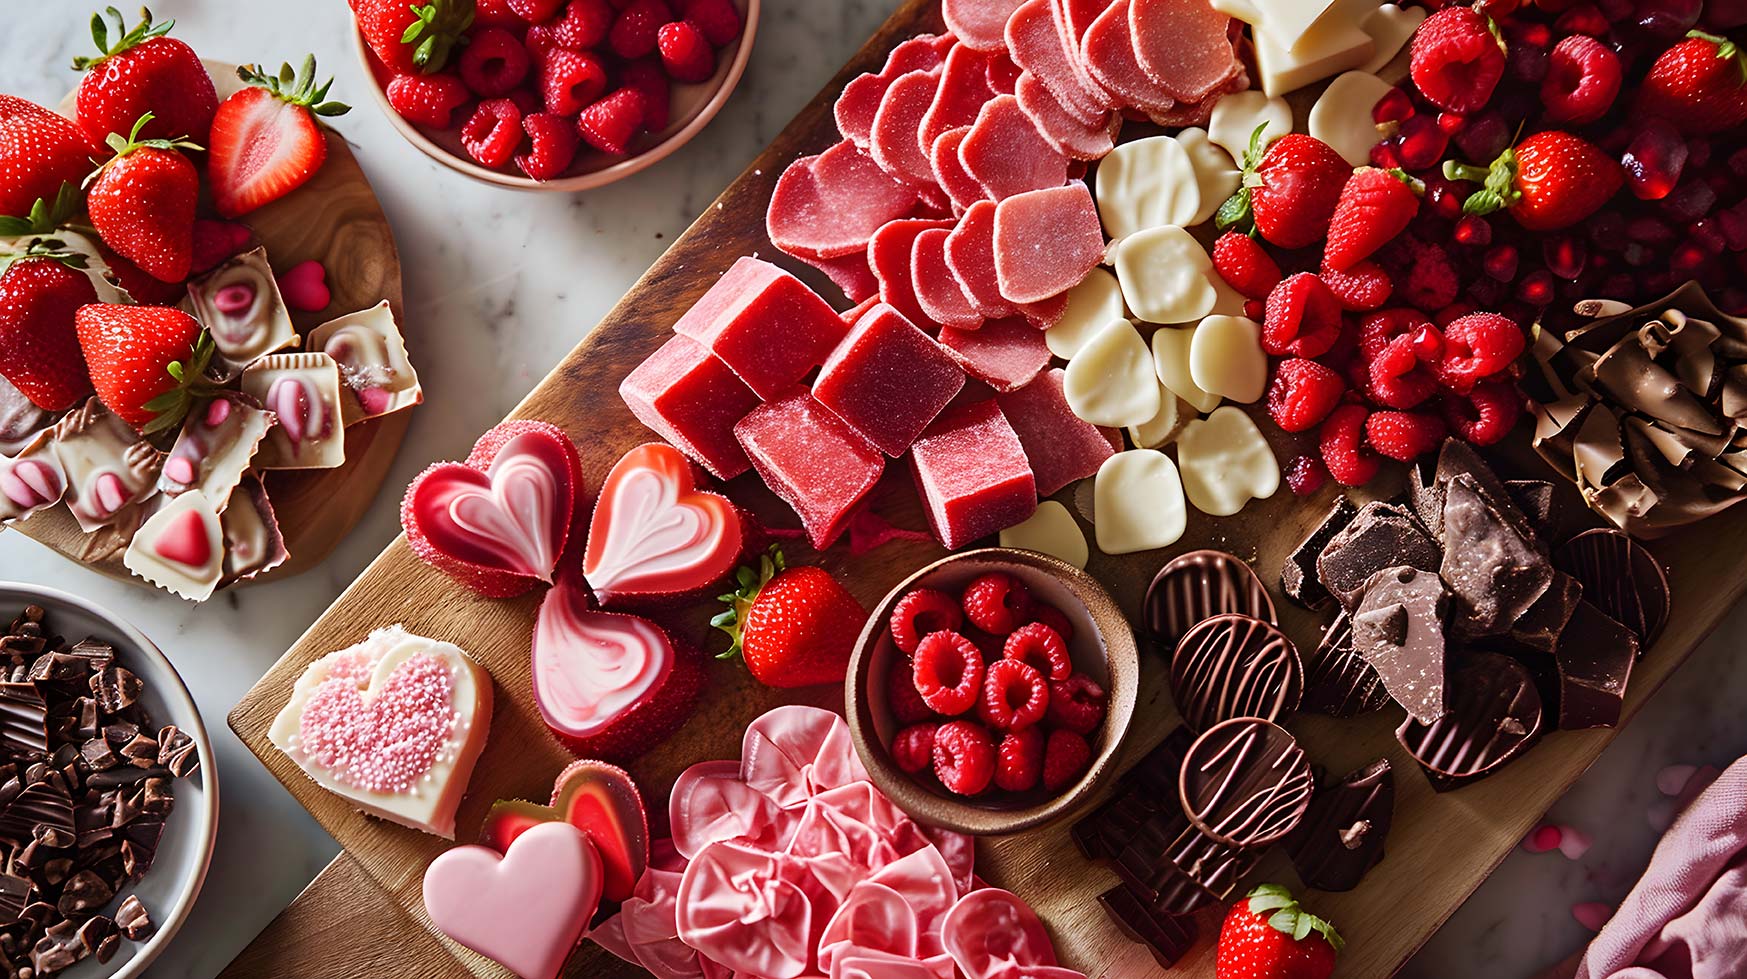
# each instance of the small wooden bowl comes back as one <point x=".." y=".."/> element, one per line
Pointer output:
<point x="692" y="108"/>
<point x="1109" y="658"/>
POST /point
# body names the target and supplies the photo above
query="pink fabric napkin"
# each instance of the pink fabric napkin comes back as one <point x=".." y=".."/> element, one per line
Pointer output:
<point x="1687" y="918"/>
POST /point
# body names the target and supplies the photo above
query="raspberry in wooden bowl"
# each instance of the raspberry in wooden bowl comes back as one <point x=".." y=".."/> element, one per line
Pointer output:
<point x="990" y="691"/>
<point x="560" y="95"/>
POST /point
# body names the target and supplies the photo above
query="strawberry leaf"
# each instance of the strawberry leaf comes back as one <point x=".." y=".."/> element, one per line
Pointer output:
<point x="142" y="32"/>
<point x="748" y="583"/>
<point x="295" y="86"/>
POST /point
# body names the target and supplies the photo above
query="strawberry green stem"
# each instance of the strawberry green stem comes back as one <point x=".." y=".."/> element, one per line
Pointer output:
<point x="748" y="582"/>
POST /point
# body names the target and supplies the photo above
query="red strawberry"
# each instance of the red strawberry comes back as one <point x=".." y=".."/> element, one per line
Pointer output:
<point x="1289" y="191"/>
<point x="1698" y="85"/>
<point x="1374" y="207"/>
<point x="266" y="142"/>
<point x="795" y="627"/>
<point x="1269" y="936"/>
<point x="40" y="290"/>
<point x="142" y="203"/>
<point x="39" y="153"/>
<point x="1549" y="181"/>
<point x="409" y="37"/>
<point x="148" y="363"/>
<point x="428" y="100"/>
<point x="143" y="71"/>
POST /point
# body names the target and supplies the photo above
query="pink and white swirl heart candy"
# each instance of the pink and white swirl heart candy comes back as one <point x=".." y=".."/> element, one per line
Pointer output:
<point x="656" y="537"/>
<point x="498" y="522"/>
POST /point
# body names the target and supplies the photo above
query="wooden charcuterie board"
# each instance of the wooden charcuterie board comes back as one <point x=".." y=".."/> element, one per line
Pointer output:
<point x="1441" y="847"/>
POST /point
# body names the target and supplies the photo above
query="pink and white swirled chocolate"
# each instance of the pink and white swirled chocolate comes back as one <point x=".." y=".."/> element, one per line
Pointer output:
<point x="654" y="534"/>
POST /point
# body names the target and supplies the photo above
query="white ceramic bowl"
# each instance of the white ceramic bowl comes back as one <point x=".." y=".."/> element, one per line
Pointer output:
<point x="168" y="889"/>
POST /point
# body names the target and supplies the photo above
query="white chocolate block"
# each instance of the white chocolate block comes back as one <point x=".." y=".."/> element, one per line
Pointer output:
<point x="1215" y="179"/>
<point x="1138" y="500"/>
<point x="1091" y="306"/>
<point x="1110" y="380"/>
<point x="1331" y="47"/>
<point x="1051" y="530"/>
<point x="1236" y="117"/>
<point x="1226" y="358"/>
<point x="1226" y="463"/>
<point x="1164" y="274"/>
<point x="1163" y="427"/>
<point x="1390" y="26"/>
<point x="1147" y="183"/>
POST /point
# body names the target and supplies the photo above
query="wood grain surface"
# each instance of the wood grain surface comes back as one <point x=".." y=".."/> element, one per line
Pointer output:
<point x="1441" y="848"/>
<point x="334" y="219"/>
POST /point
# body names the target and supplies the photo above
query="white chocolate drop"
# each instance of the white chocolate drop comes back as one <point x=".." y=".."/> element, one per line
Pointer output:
<point x="1091" y="305"/>
<point x="1342" y="116"/>
<point x="1165" y="274"/>
<point x="1215" y="177"/>
<point x="1236" y="117"/>
<point x="1226" y="358"/>
<point x="1390" y="26"/>
<point x="1158" y="432"/>
<point x="1171" y="346"/>
<point x="1144" y="184"/>
<point x="1226" y="463"/>
<point x="1110" y="380"/>
<point x="1138" y="497"/>
<point x="1051" y="530"/>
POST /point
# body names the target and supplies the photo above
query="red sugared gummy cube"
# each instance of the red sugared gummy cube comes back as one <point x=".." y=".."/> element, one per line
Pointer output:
<point x="1059" y="445"/>
<point x="972" y="474"/>
<point x="692" y="400"/>
<point x="810" y="458"/>
<point x="887" y="379"/>
<point x="1005" y="354"/>
<point x="765" y="324"/>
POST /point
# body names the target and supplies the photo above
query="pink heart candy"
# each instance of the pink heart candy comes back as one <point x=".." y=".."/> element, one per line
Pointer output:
<point x="525" y="909"/>
<point x="304" y="287"/>
<point x="654" y="533"/>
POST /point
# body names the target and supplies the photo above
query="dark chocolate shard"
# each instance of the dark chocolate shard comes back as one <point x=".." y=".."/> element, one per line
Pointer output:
<point x="1168" y="936"/>
<point x="1621" y="578"/>
<point x="1381" y="535"/>
<point x="1342" y="836"/>
<point x="1539" y="628"/>
<point x="1494" y="714"/>
<point x="1246" y="783"/>
<point x="1399" y="630"/>
<point x="1145" y="789"/>
<point x="1496" y="572"/>
<point x="1232" y="665"/>
<point x="1298" y="577"/>
<point x="1196" y="586"/>
<point x="15" y="893"/>
<point x="1340" y="683"/>
<point x="42" y="804"/>
<point x="23" y="720"/>
<point x="1594" y="659"/>
<point x="1534" y="497"/>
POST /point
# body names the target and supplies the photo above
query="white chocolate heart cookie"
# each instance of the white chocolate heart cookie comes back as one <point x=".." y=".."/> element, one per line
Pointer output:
<point x="1237" y="116"/>
<point x="1226" y="463"/>
<point x="1091" y="305"/>
<point x="1110" y="379"/>
<point x="1138" y="499"/>
<point x="1164" y="273"/>
<point x="1051" y="530"/>
<point x="1226" y="358"/>
<point x="1171" y="348"/>
<point x="1342" y="116"/>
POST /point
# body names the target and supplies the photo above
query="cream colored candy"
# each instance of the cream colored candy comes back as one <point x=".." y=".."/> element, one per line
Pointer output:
<point x="1226" y="300"/>
<point x="1390" y="26"/>
<point x="1147" y="183"/>
<point x="1292" y="19"/>
<point x="1171" y="347"/>
<point x="1237" y="116"/>
<point x="1342" y="116"/>
<point x="1226" y="358"/>
<point x="1110" y="380"/>
<point x="1215" y="177"/>
<point x="1226" y="463"/>
<point x="1288" y="62"/>
<point x="1163" y="427"/>
<point x="1164" y="274"/>
<point x="1091" y="306"/>
<point x="1138" y="498"/>
<point x="1051" y="530"/>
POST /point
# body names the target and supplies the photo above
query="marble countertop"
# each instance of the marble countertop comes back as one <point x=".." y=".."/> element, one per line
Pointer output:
<point x="510" y="282"/>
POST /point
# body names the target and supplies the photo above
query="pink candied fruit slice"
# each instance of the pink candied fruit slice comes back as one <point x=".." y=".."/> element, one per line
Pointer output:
<point x="894" y="145"/>
<point x="1046" y="241"/>
<point x="849" y="273"/>
<point x="970" y="254"/>
<point x="1006" y="154"/>
<point x="1038" y="47"/>
<point x="1183" y="45"/>
<point x="1005" y="354"/>
<point x="888" y="254"/>
<point x="937" y="292"/>
<point x="887" y="380"/>
<point x="1059" y="445"/>
<point x="1045" y="313"/>
<point x="1110" y="58"/>
<point x="855" y="108"/>
<point x="1003" y="74"/>
<point x="963" y="88"/>
<point x="807" y="456"/>
<point x="978" y="24"/>
<point x="1065" y="134"/>
<point x="829" y="205"/>
<point x="692" y="400"/>
<point x="961" y="188"/>
<point x="765" y="324"/>
<point x="972" y="474"/>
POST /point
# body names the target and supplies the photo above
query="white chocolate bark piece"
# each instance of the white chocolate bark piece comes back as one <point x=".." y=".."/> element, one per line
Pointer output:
<point x="108" y="466"/>
<point x="1164" y="275"/>
<point x="180" y="548"/>
<point x="1237" y="116"/>
<point x="374" y="370"/>
<point x="1051" y="530"/>
<point x="1158" y="432"/>
<point x="1171" y="347"/>
<point x="1138" y="499"/>
<point x="1110" y="380"/>
<point x="303" y="391"/>
<point x="253" y="544"/>
<point x="1226" y="463"/>
<point x="1332" y="45"/>
<point x="1091" y="305"/>
<point x="1226" y="358"/>
<point x="1341" y="117"/>
<point x="1289" y="19"/>
<point x="1144" y="184"/>
<point x="1390" y="26"/>
<point x="393" y="725"/>
<point x="240" y="305"/>
<point x="1215" y="178"/>
<point x="32" y="480"/>
<point x="212" y="452"/>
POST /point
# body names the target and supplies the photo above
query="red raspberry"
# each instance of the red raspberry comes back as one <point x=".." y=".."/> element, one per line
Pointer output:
<point x="1303" y="318"/>
<point x="216" y="241"/>
<point x="948" y="672"/>
<point x="1583" y="79"/>
<point x="535" y="11"/>
<point x="1377" y="329"/>
<point x="685" y="52"/>
<point x="718" y="19"/>
<point x="493" y="63"/>
<point x="609" y="124"/>
<point x="1302" y="394"/>
<point x="964" y="757"/>
<point x="921" y="612"/>
<point x="526" y="100"/>
<point x="1457" y="60"/>
<point x="1305" y="475"/>
<point x="1245" y="265"/>
<point x="1431" y="279"/>
<point x="633" y="34"/>
<point x="1365" y="286"/>
<point x="1476" y="347"/>
<point x="1342" y="441"/>
<point x="646" y="76"/>
<point x="913" y="748"/>
<point x="1014" y="696"/>
<point x="1397" y="378"/>
<point x="569" y="81"/>
<point x="1256" y="309"/>
<point x="493" y="132"/>
<point x="1075" y="704"/>
<point x="1582" y="18"/>
<point x="584" y="25"/>
<point x="1404" y="435"/>
<point x="1484" y="415"/>
<point x="541" y="40"/>
<point x="1053" y="617"/>
<point x="553" y="142"/>
<point x="1375" y="206"/>
<point x="907" y="705"/>
<point x="428" y="100"/>
<point x="997" y="603"/>
<point x="495" y="13"/>
<point x="1019" y="760"/>
<point x="1040" y="647"/>
<point x="1066" y="756"/>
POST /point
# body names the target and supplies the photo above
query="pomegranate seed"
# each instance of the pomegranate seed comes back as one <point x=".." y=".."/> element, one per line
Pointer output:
<point x="1636" y="255"/>
<point x="1698" y="153"/>
<point x="1584" y="18"/>
<point x="1305" y="475"/>
<point x="1565" y="256"/>
<point x="1686" y="258"/>
<point x="1654" y="160"/>
<point x="1473" y="230"/>
<point x="1428" y="344"/>
<point x="1649" y="231"/>
<point x="1536" y="288"/>
<point x="1445" y="198"/>
<point x="1527" y="64"/>
<point x="1500" y="263"/>
<point x="1395" y="106"/>
<point x="1422" y="143"/>
<point x="1485" y="136"/>
<point x="1707" y="233"/>
<point x="1451" y="122"/>
<point x="1690" y="201"/>
<point x="1386" y="155"/>
<point x="1667" y="20"/>
<point x="1535" y="35"/>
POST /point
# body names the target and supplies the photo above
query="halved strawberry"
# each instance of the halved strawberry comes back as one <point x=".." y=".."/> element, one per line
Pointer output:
<point x="266" y="142"/>
<point x="148" y="363"/>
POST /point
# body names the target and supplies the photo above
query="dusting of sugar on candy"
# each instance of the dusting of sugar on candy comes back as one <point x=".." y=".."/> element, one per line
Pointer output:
<point x="390" y="744"/>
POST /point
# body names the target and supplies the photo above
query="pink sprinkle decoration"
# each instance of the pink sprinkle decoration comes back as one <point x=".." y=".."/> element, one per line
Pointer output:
<point x="390" y="743"/>
<point x="1574" y="843"/>
<point x="1543" y="838"/>
<point x="1592" y="914"/>
<point x="305" y="287"/>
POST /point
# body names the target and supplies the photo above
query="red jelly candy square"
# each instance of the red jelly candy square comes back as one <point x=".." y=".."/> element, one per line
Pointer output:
<point x="692" y="400"/>
<point x="1005" y="354"/>
<point x="810" y="458"/>
<point x="765" y="324"/>
<point x="972" y="474"/>
<point x="1059" y="445"/>
<point x="887" y="379"/>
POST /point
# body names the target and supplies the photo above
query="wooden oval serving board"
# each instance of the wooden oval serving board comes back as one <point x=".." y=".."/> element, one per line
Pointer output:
<point x="334" y="219"/>
<point x="1441" y="847"/>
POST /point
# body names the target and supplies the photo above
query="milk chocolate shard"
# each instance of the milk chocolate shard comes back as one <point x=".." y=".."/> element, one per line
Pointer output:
<point x="1298" y="575"/>
<point x="1594" y="661"/>
<point x="1399" y="629"/>
<point x="1381" y="535"/>
<point x="1496" y="570"/>
<point x="1342" y="836"/>
<point x="375" y="375"/>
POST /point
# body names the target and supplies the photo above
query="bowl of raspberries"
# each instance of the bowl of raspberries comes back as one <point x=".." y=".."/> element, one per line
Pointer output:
<point x="990" y="691"/>
<point x="552" y="94"/>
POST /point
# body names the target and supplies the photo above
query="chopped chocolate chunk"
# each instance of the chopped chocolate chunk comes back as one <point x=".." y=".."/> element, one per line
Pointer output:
<point x="1381" y="535"/>
<point x="15" y="893"/>
<point x="1539" y="627"/>
<point x="98" y="754"/>
<point x="176" y="752"/>
<point x="1534" y="497"/>
<point x="1496" y="571"/>
<point x="1168" y="936"/>
<point x="1232" y="665"/>
<point x="1399" y="630"/>
<point x="100" y="937"/>
<point x="135" y="923"/>
<point x="115" y="688"/>
<point x="1494" y="714"/>
<point x="1298" y="578"/>
<point x="1340" y="683"/>
<point x="141" y="752"/>
<point x="42" y="804"/>
<point x="1342" y="836"/>
<point x="57" y="949"/>
<point x="1197" y="586"/>
<point x="84" y="892"/>
<point x="1456" y="458"/>
<point x="1594" y="660"/>
<point x="1621" y="578"/>
<point x="23" y="717"/>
